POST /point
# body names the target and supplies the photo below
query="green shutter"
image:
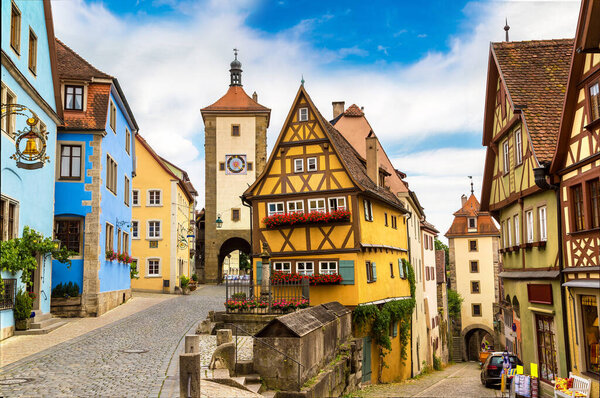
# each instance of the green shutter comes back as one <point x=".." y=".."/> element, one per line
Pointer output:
<point x="258" y="272"/>
<point x="395" y="329"/>
<point x="400" y="268"/>
<point x="347" y="272"/>
<point x="374" y="271"/>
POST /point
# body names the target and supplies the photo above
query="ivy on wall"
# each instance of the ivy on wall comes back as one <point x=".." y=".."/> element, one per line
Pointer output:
<point x="378" y="318"/>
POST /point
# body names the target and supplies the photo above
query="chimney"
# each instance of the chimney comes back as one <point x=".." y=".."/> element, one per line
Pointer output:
<point x="372" y="159"/>
<point x="338" y="108"/>
<point x="255" y="96"/>
<point x="463" y="200"/>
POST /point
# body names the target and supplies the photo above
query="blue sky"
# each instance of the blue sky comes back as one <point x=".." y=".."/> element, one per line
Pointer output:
<point x="418" y="68"/>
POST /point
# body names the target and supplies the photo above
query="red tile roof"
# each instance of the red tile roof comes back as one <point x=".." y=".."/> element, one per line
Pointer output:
<point x="236" y="99"/>
<point x="471" y="208"/>
<point x="353" y="110"/>
<point x="72" y="66"/>
<point x="536" y="73"/>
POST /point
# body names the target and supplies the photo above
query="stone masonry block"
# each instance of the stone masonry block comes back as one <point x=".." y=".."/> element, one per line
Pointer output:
<point x="224" y="336"/>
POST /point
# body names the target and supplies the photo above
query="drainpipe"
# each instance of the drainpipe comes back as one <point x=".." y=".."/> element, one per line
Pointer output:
<point x="540" y="174"/>
<point x="249" y="205"/>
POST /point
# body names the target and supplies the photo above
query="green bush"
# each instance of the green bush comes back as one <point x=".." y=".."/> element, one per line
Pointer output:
<point x="185" y="281"/>
<point x="67" y="290"/>
<point x="23" y="305"/>
<point x="58" y="291"/>
<point x="239" y="296"/>
<point x="195" y="277"/>
<point x="454" y="303"/>
<point x="437" y="363"/>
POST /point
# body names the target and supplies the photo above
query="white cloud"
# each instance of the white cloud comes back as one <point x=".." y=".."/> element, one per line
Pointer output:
<point x="169" y="68"/>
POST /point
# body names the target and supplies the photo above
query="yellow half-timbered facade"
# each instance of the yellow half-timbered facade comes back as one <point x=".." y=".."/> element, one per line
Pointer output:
<point x="357" y="229"/>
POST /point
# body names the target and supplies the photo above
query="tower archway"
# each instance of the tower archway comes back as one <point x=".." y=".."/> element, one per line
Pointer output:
<point x="229" y="246"/>
<point x="473" y="336"/>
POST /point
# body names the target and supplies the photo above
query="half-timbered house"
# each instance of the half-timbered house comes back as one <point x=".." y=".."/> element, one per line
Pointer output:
<point x="576" y="165"/>
<point x="356" y="226"/>
<point x="525" y="91"/>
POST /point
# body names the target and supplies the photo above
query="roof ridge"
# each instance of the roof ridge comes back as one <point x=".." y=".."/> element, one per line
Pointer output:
<point x="83" y="59"/>
<point x="540" y="42"/>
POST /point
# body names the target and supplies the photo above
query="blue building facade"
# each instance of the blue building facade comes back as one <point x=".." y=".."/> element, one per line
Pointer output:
<point x="29" y="78"/>
<point x="93" y="184"/>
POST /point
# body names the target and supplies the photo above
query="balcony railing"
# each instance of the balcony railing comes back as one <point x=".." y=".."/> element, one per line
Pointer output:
<point x="244" y="296"/>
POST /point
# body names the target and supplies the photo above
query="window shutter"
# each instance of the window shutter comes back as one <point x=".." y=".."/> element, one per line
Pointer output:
<point x="374" y="272"/>
<point x="258" y="271"/>
<point x="400" y="268"/>
<point x="395" y="329"/>
<point x="347" y="272"/>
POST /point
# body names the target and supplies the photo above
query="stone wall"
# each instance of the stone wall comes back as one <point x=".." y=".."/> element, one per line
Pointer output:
<point x="251" y="323"/>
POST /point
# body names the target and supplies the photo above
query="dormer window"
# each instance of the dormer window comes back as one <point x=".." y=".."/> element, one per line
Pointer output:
<point x="303" y="115"/>
<point x="472" y="222"/>
<point x="74" y="98"/>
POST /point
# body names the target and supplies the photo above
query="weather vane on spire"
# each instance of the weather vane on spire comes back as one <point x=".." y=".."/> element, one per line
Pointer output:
<point x="235" y="52"/>
<point x="506" y="28"/>
<point x="302" y="81"/>
<point x="472" y="190"/>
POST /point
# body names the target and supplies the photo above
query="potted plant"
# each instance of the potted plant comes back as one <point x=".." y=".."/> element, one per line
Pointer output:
<point x="22" y="310"/>
<point x="193" y="283"/>
<point x="184" y="281"/>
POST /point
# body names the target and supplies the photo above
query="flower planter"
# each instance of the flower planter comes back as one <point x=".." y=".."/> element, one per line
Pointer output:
<point x="192" y="286"/>
<point x="23" y="324"/>
<point x="315" y="217"/>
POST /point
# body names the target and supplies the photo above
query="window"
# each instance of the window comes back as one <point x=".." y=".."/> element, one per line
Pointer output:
<point x="311" y="164"/>
<point x="70" y="162"/>
<point x="476" y="310"/>
<point x="328" y="267"/>
<point x="235" y="214"/>
<point x="9" y="222"/>
<point x="295" y="206"/>
<point x="506" y="154"/>
<point x="109" y="238"/>
<point x="154" y="231"/>
<point x="9" y="122"/>
<point x="472" y="222"/>
<point x="15" y="28"/>
<point x="391" y="270"/>
<point x="221" y="166"/>
<point x="473" y="245"/>
<point x="385" y="216"/>
<point x="542" y="221"/>
<point x="518" y="147"/>
<point x="475" y="287"/>
<point x="517" y="230"/>
<point x="126" y="191"/>
<point x="111" y="174"/>
<point x="276" y="208"/>
<point x="298" y="165"/>
<point x="305" y="268"/>
<point x="125" y="242"/>
<point x="474" y="266"/>
<point x="401" y="270"/>
<point x="32" y="61"/>
<point x="595" y="101"/>
<point x="371" y="272"/>
<point x="127" y="141"/>
<point x="529" y="218"/>
<point x="394" y="222"/>
<point x="546" y="350"/>
<point x="135" y="231"/>
<point x="69" y="232"/>
<point x="579" y="220"/>
<point x="235" y="130"/>
<point x="250" y="166"/>
<point x="337" y="204"/>
<point x="509" y="232"/>
<point x="119" y="247"/>
<point x="303" y="114"/>
<point x="282" y="266"/>
<point x="74" y="98"/>
<point x="591" y="334"/>
<point x="594" y="199"/>
<point x="135" y="197"/>
<point x="316" y="205"/>
<point x="154" y="197"/>
<point x="153" y="267"/>
<point x="113" y="117"/>
<point x="368" y="210"/>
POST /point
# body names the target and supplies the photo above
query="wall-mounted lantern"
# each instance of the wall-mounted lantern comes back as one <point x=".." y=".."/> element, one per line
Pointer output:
<point x="219" y="222"/>
<point x="31" y="142"/>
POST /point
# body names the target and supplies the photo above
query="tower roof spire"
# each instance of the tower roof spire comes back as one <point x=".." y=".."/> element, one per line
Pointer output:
<point x="472" y="190"/>
<point x="506" y="28"/>
<point x="236" y="70"/>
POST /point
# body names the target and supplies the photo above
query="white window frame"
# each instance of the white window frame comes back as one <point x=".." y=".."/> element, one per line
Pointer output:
<point x="285" y="266"/>
<point x="337" y="205"/>
<point x="529" y="218"/>
<point x="368" y="209"/>
<point x="127" y="191"/>
<point x="155" y="275"/>
<point x="159" y="237"/>
<point x="135" y="203"/>
<point x="328" y="270"/>
<point x="298" y="165"/>
<point x="295" y="206"/>
<point x="518" y="147"/>
<point x="312" y="164"/>
<point x="506" y="157"/>
<point x="10" y="121"/>
<point x="509" y="230"/>
<point x="475" y="222"/>
<point x="305" y="265"/>
<point x="276" y="211"/>
<point x="322" y="209"/>
<point x="517" y="230"/>
<point x="303" y="114"/>
<point x="542" y="223"/>
<point x="136" y="235"/>
<point x="504" y="235"/>
<point x="148" y="204"/>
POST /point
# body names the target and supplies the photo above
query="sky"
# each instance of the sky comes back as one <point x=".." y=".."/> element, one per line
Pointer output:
<point x="417" y="67"/>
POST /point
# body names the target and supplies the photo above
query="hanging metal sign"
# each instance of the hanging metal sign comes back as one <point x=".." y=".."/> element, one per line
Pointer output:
<point x="31" y="142"/>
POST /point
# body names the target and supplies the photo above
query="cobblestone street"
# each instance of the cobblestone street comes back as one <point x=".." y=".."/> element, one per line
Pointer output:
<point x="459" y="380"/>
<point x="94" y="363"/>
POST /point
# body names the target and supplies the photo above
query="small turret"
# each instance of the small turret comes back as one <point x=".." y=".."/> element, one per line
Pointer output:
<point x="236" y="70"/>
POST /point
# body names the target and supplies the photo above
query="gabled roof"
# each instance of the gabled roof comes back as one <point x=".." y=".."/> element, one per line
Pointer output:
<point x="235" y="100"/>
<point x="429" y="227"/>
<point x="72" y="65"/>
<point x="535" y="74"/>
<point x="354" y="110"/>
<point x="471" y="208"/>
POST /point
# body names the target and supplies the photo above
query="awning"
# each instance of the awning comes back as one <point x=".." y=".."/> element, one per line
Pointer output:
<point x="369" y="246"/>
<point x="382" y="301"/>
<point x="530" y="275"/>
<point x="594" y="284"/>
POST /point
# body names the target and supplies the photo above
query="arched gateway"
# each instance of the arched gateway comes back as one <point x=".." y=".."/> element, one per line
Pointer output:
<point x="473" y="335"/>
<point x="235" y="144"/>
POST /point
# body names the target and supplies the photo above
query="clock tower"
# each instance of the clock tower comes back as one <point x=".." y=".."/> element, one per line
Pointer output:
<point x="235" y="144"/>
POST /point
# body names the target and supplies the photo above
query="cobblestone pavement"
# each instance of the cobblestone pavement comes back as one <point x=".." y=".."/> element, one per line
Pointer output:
<point x="94" y="364"/>
<point x="459" y="380"/>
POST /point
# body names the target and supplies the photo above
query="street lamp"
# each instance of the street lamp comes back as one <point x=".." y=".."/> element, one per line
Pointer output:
<point x="219" y="222"/>
<point x="56" y="244"/>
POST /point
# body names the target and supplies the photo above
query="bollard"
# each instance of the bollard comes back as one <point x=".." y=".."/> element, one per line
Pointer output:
<point x="192" y="343"/>
<point x="224" y="336"/>
<point x="189" y="375"/>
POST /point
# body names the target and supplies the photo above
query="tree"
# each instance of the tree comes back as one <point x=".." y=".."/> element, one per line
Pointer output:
<point x="439" y="245"/>
<point x="454" y="303"/>
<point x="245" y="261"/>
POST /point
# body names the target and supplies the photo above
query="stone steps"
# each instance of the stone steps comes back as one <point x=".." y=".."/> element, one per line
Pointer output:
<point x="41" y="330"/>
<point x="45" y="323"/>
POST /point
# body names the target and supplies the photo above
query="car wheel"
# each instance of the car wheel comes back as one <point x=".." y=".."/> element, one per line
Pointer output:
<point x="482" y="379"/>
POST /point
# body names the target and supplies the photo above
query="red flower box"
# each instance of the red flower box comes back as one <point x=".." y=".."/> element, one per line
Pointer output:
<point x="279" y="278"/>
<point x="278" y="220"/>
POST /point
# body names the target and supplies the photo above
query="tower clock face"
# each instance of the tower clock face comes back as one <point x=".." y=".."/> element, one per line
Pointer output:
<point x="235" y="164"/>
